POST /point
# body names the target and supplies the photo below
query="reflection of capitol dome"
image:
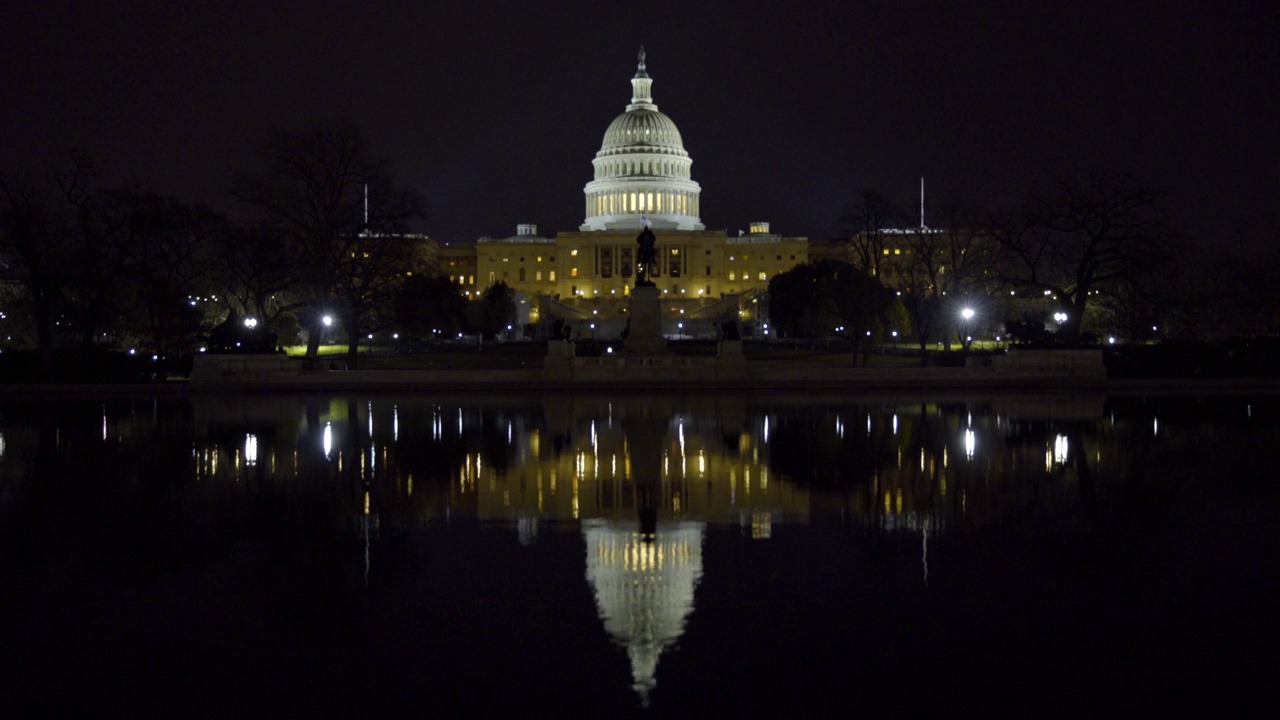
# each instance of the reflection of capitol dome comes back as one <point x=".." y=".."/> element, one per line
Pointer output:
<point x="642" y="169"/>
<point x="644" y="590"/>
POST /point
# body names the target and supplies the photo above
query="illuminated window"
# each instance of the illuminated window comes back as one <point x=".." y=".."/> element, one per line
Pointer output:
<point x="551" y="276"/>
<point x="574" y="252"/>
<point x="573" y="272"/>
<point x="763" y="277"/>
<point x="538" y="276"/>
<point x="473" y="280"/>
<point x="897" y="251"/>
<point x="886" y="251"/>
<point x="493" y="277"/>
<point x="733" y="275"/>
<point x="539" y="258"/>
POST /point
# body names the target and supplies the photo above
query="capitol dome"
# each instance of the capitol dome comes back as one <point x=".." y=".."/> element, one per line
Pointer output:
<point x="642" y="170"/>
<point x="643" y="127"/>
<point x="644" y="587"/>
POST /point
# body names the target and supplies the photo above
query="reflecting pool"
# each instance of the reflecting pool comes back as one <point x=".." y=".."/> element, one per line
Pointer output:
<point x="639" y="554"/>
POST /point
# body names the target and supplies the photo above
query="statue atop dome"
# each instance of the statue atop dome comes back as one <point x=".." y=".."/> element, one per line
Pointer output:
<point x="640" y="69"/>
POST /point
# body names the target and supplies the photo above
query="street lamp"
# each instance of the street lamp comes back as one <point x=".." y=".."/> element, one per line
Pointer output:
<point x="967" y="315"/>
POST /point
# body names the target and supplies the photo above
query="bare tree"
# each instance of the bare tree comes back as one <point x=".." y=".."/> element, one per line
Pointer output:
<point x="253" y="272"/>
<point x="170" y="266"/>
<point x="329" y="199"/>
<point x="104" y="228"/>
<point x="868" y="225"/>
<point x="366" y="284"/>
<point x="947" y="269"/>
<point x="1097" y="235"/>
<point x="32" y="238"/>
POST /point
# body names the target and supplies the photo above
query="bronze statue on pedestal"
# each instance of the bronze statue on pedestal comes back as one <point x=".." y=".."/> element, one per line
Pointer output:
<point x="646" y="256"/>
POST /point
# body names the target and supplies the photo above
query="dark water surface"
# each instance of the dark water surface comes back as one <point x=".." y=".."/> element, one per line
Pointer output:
<point x="639" y="555"/>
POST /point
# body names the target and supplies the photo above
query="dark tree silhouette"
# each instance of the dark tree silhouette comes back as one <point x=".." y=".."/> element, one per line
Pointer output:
<point x="945" y="269"/>
<point x="335" y="206"/>
<point x="32" y="251"/>
<point x="424" y="304"/>
<point x="1097" y="235"/>
<point x="868" y="226"/>
<point x="832" y="298"/>
<point x="497" y="309"/>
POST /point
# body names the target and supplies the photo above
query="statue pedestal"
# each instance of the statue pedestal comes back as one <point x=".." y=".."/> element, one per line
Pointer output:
<point x="558" y="364"/>
<point x="645" y="338"/>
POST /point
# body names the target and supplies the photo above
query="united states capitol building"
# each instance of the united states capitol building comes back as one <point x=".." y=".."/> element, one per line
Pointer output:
<point x="642" y="173"/>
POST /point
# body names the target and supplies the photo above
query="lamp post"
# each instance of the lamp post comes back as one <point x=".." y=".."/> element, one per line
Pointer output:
<point x="967" y="316"/>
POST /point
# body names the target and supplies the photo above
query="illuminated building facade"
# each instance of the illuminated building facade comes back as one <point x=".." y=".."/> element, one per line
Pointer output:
<point x="641" y="173"/>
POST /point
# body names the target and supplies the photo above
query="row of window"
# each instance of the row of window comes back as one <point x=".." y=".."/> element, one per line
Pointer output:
<point x="674" y="251"/>
<point x="573" y="272"/>
<point x="609" y="203"/>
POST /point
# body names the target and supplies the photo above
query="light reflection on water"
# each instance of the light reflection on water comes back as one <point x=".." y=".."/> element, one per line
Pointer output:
<point x="655" y="486"/>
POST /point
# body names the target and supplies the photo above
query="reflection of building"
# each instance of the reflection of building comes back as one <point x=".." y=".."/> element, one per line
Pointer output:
<point x="593" y="478"/>
<point x="642" y="171"/>
<point x="644" y="588"/>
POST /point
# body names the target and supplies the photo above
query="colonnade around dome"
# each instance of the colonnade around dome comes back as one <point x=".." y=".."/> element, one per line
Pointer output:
<point x="658" y="205"/>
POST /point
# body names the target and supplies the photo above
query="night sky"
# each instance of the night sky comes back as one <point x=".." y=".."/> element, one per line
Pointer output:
<point x="495" y="111"/>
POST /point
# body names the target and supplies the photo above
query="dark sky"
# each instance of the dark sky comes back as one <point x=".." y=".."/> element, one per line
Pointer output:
<point x="495" y="109"/>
